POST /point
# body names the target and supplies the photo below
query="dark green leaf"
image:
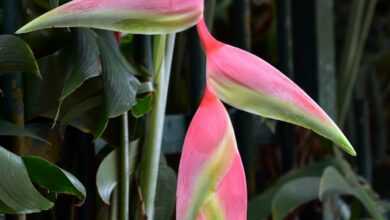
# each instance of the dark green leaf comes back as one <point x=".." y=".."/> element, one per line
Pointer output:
<point x="10" y="129"/>
<point x="43" y="95"/>
<point x="84" y="60"/>
<point x="333" y="183"/>
<point x="16" y="56"/>
<point x="80" y="109"/>
<point x="16" y="189"/>
<point x="260" y="206"/>
<point x="165" y="194"/>
<point x="53" y="178"/>
<point x="107" y="177"/>
<point x="294" y="194"/>
<point x="120" y="85"/>
<point x="143" y="106"/>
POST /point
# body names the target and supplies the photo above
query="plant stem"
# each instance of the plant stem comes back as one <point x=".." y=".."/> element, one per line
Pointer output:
<point x="114" y="206"/>
<point x="351" y="70"/>
<point x="124" y="166"/>
<point x="152" y="147"/>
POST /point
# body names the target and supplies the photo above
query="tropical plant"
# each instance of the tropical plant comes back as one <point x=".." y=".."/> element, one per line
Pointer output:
<point x="111" y="81"/>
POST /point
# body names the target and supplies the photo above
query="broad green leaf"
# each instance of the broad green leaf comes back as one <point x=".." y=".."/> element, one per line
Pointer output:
<point x="53" y="178"/>
<point x="81" y="109"/>
<point x="5" y="209"/>
<point x="143" y="106"/>
<point x="16" y="189"/>
<point x="120" y="85"/>
<point x="260" y="206"/>
<point x="107" y="174"/>
<point x="10" y="129"/>
<point x="165" y="194"/>
<point x="333" y="183"/>
<point x="16" y="56"/>
<point x="85" y="61"/>
<point x="294" y="194"/>
<point x="43" y="95"/>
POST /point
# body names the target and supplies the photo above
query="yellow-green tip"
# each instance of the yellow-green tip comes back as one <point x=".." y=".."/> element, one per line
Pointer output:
<point x="350" y="150"/>
<point x="344" y="143"/>
<point x="47" y="20"/>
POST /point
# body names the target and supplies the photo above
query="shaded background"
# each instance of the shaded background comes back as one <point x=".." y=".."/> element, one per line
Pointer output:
<point x="337" y="51"/>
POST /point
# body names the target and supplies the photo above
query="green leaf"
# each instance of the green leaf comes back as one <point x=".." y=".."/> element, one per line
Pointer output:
<point x="81" y="109"/>
<point x="10" y="129"/>
<point x="260" y="206"/>
<point x="59" y="181"/>
<point x="107" y="174"/>
<point x="120" y="85"/>
<point x="16" y="56"/>
<point x="43" y="95"/>
<point x="17" y="192"/>
<point x="333" y="183"/>
<point x="87" y="116"/>
<point x="84" y="60"/>
<point x="294" y="194"/>
<point x="144" y="105"/>
<point x="166" y="191"/>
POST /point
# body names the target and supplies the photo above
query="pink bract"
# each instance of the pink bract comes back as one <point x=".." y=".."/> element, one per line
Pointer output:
<point x="210" y="144"/>
<point x="129" y="16"/>
<point x="247" y="82"/>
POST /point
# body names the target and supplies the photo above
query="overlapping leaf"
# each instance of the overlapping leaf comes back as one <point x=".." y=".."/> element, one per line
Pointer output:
<point x="10" y="129"/>
<point x="294" y="194"/>
<point x="53" y="178"/>
<point x="17" y="192"/>
<point x="120" y="84"/>
<point x="83" y="108"/>
<point x="333" y="183"/>
<point x="16" y="56"/>
<point x="107" y="174"/>
<point x="260" y="206"/>
<point x="85" y="61"/>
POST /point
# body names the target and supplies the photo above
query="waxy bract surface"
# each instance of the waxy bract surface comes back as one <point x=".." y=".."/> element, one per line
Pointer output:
<point x="211" y="182"/>
<point x="130" y="16"/>
<point x="249" y="83"/>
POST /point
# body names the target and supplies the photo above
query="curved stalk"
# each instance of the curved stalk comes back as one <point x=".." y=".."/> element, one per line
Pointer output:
<point x="163" y="52"/>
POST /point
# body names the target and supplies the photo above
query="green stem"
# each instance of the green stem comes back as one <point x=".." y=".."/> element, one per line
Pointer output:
<point x="113" y="215"/>
<point x="152" y="148"/>
<point x="354" y="56"/>
<point x="124" y="166"/>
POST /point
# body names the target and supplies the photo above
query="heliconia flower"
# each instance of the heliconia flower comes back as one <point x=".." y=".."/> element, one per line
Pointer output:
<point x="211" y="179"/>
<point x="249" y="83"/>
<point x="129" y="16"/>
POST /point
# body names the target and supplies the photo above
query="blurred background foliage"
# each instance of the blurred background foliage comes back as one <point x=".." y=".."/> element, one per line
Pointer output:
<point x="57" y="110"/>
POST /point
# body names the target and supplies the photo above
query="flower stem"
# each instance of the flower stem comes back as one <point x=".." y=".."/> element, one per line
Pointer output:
<point x="163" y="51"/>
<point x="124" y="166"/>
